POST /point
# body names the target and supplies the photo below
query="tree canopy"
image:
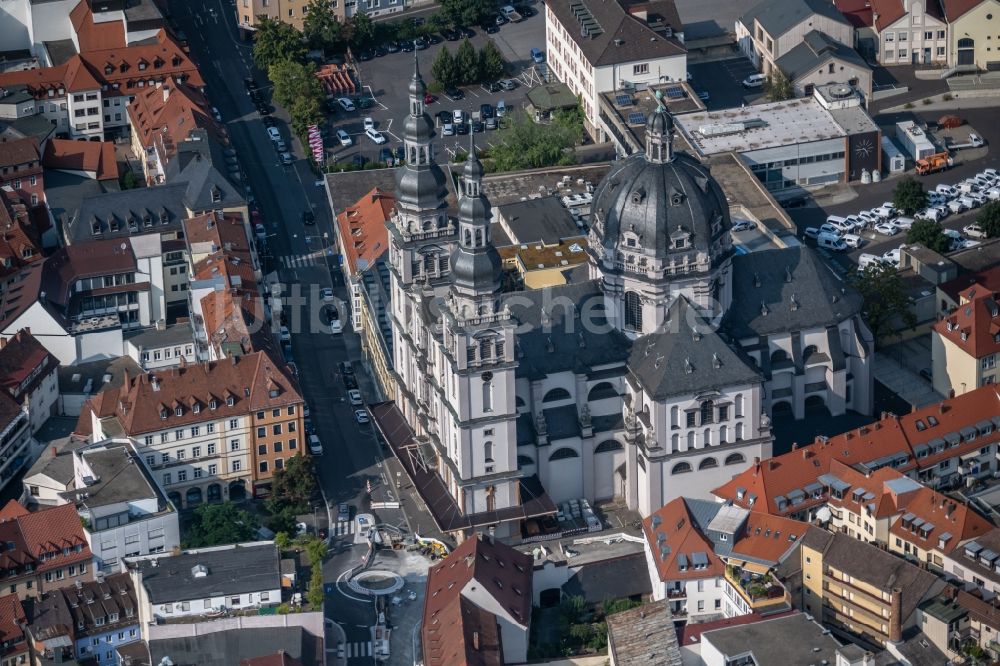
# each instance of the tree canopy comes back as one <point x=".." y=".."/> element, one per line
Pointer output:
<point x="467" y="12"/>
<point x="321" y="28"/>
<point x="363" y="31"/>
<point x="297" y="89"/>
<point x="444" y="69"/>
<point x="467" y="62"/>
<point x="218" y="524"/>
<point x="909" y="196"/>
<point x="296" y="482"/>
<point x="529" y="145"/>
<point x="777" y="87"/>
<point x="276" y="41"/>
<point x="884" y="300"/>
<point x="491" y="62"/>
<point x="989" y="219"/>
<point x="930" y="234"/>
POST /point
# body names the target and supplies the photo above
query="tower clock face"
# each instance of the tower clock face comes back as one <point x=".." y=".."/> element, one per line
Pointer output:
<point x="487" y="376"/>
<point x="864" y="148"/>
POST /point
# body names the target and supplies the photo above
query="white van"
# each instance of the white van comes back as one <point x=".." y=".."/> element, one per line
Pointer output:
<point x="831" y="243"/>
<point x="829" y="230"/>
<point x="903" y="223"/>
<point x="754" y="81"/>
<point x="852" y="240"/>
<point x="840" y="223"/>
<point x="866" y="260"/>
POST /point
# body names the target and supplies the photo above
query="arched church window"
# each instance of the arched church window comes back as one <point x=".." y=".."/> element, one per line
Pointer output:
<point x="487" y="395"/>
<point x="633" y="311"/>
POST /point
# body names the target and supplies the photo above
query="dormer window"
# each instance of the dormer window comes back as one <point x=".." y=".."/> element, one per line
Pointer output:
<point x="196" y="408"/>
<point x="142" y="65"/>
<point x="163" y="415"/>
<point x="178" y="411"/>
<point x="638" y="196"/>
<point x="230" y="401"/>
<point x="676" y="199"/>
<point x="213" y="404"/>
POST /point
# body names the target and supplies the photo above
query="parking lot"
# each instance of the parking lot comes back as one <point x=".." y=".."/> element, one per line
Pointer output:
<point x="722" y="80"/>
<point x="384" y="79"/>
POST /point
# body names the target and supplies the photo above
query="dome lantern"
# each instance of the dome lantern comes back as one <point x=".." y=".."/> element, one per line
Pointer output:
<point x="660" y="133"/>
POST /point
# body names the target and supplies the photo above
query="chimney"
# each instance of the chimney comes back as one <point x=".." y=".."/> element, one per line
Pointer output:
<point x="895" y="611"/>
<point x="795" y="446"/>
<point x="942" y="407"/>
<point x="756" y="464"/>
<point x="54" y="452"/>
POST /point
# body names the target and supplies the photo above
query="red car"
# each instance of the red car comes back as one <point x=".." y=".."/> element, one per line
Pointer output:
<point x="428" y="98"/>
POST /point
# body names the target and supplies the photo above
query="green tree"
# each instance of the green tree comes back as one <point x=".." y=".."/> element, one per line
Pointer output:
<point x="275" y="41"/>
<point x="362" y="31"/>
<point x="467" y="12"/>
<point x="884" y="300"/>
<point x="989" y="219"/>
<point x="315" y="595"/>
<point x="321" y="28"/>
<point x="930" y="234"/>
<point x="777" y="87"/>
<point x="467" y="62"/>
<point x="282" y="541"/>
<point x="298" y="90"/>
<point x="217" y="524"/>
<point x="316" y="551"/>
<point x="909" y="196"/>
<point x="491" y="62"/>
<point x="528" y="145"/>
<point x="437" y="22"/>
<point x="296" y="482"/>
<point x="129" y="181"/>
<point x="445" y="69"/>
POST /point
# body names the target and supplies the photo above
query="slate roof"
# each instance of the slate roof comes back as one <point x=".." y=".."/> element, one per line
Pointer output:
<point x="163" y="200"/>
<point x="226" y="648"/>
<point x="19" y="152"/>
<point x="543" y="220"/>
<point x="792" y="639"/>
<point x="610" y="579"/>
<point x="815" y="49"/>
<point x="780" y="16"/>
<point x="231" y="570"/>
<point x="812" y="298"/>
<point x="644" y="635"/>
<point x="686" y="357"/>
<point x="637" y="40"/>
<point x="556" y="345"/>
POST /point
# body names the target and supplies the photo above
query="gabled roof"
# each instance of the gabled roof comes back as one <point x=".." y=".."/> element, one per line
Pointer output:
<point x="673" y="536"/>
<point x="149" y="402"/>
<point x="455" y="631"/>
<point x="92" y="36"/>
<point x="20" y="234"/>
<point x="767" y="539"/>
<point x="12" y="618"/>
<point x="20" y="357"/>
<point x="974" y="326"/>
<point x="20" y="152"/>
<point x="81" y="260"/>
<point x="94" y="156"/>
<point x="49" y="531"/>
<point x="362" y="226"/>
<point x="857" y="12"/>
<point x="613" y="36"/>
<point x="988" y="278"/>
<point x="814" y="51"/>
<point x="20" y="294"/>
<point x="955" y="9"/>
<point x="931" y="516"/>
<point x="779" y="16"/>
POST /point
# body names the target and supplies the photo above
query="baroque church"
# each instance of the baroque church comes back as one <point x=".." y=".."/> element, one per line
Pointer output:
<point x="654" y="376"/>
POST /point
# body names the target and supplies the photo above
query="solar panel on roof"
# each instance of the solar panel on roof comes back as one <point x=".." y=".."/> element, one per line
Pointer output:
<point x="674" y="92"/>
<point x="636" y="118"/>
<point x="623" y="100"/>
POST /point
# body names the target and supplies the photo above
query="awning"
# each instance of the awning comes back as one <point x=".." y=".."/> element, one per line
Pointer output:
<point x="927" y="527"/>
<point x="988" y="555"/>
<point x="973" y="547"/>
<point x="908" y="517"/>
<point x="753" y="567"/>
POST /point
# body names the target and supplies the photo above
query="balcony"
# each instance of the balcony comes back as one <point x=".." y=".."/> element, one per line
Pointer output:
<point x="677" y="593"/>
<point x="759" y="591"/>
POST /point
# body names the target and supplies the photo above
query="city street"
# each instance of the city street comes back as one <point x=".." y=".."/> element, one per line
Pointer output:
<point x="298" y="252"/>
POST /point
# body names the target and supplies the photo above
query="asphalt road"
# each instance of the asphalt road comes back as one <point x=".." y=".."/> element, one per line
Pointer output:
<point x="296" y="251"/>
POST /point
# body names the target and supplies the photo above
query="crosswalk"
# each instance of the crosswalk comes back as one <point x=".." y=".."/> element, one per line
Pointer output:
<point x="359" y="649"/>
<point x="303" y="260"/>
<point x="342" y="528"/>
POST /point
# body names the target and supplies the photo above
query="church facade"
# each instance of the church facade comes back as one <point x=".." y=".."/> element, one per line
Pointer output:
<point x="652" y="377"/>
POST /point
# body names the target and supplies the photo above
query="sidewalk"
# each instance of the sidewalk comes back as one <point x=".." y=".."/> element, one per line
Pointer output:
<point x="898" y="368"/>
<point x="335" y="637"/>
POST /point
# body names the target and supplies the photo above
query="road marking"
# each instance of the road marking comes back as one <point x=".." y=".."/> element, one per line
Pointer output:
<point x="301" y="260"/>
<point x="359" y="649"/>
<point x="342" y="528"/>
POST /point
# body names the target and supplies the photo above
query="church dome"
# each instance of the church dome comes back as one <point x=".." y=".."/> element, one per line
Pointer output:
<point x="658" y="203"/>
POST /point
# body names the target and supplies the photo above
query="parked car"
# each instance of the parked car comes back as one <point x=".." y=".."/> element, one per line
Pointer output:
<point x="345" y="104"/>
<point x="274" y="134"/>
<point x="448" y="129"/>
<point x="344" y="138"/>
<point x="886" y="210"/>
<point x="369" y="123"/>
<point x="286" y="158"/>
<point x="485" y="111"/>
<point x="508" y="84"/>
<point x="974" y="231"/>
<point x="361" y="416"/>
<point x="853" y="240"/>
<point x="743" y="225"/>
<point x="458" y="116"/>
<point x="308" y="217"/>
<point x="946" y="190"/>
<point x="956" y="206"/>
<point x="315" y="446"/>
<point x="903" y="223"/>
<point x="454" y="94"/>
<point x="354" y="395"/>
<point x="284" y="335"/>
<point x="346" y="368"/>
<point x="811" y="232"/>
<point x="326" y="293"/>
<point x="375" y="136"/>
<point x="866" y="260"/>
<point x="892" y="257"/>
<point x="887" y="228"/>
<point x="537" y="56"/>
<point x="387" y="157"/>
<point x="428" y="98"/>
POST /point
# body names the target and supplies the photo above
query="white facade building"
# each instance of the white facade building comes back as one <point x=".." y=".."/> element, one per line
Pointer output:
<point x="619" y="385"/>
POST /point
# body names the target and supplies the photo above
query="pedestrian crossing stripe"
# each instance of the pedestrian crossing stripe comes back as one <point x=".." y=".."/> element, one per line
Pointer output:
<point x="302" y="260"/>
<point x="343" y="527"/>
<point x="359" y="649"/>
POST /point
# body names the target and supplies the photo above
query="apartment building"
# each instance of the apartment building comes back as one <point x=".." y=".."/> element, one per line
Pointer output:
<point x="86" y="622"/>
<point x="860" y="591"/>
<point x="21" y="169"/>
<point x="711" y="560"/>
<point x="43" y="551"/>
<point x="363" y="239"/>
<point x="189" y="585"/>
<point x="965" y="344"/>
<point x="598" y="47"/>
<point x="125" y="512"/>
<point x="14" y="648"/>
<point x="940" y="446"/>
<point x="22" y="238"/>
<point x="198" y="427"/>
<point x="29" y="376"/>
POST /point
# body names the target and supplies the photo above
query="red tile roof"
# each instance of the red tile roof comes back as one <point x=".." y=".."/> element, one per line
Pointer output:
<point x="12" y="618"/>
<point x="163" y="117"/>
<point x="93" y="36"/>
<point x="222" y="230"/>
<point x="904" y="438"/>
<point x="18" y="152"/>
<point x="681" y="536"/>
<point x="887" y="12"/>
<point x="953" y="9"/>
<point x="767" y="539"/>
<point x="857" y="12"/>
<point x="20" y="235"/>
<point x="148" y="403"/>
<point x="944" y="515"/>
<point x="68" y="155"/>
<point x="47" y="539"/>
<point x="362" y="227"/>
<point x="20" y="357"/>
<point x="989" y="279"/>
<point x="974" y="326"/>
<point x="20" y="294"/>
<point x="93" y="258"/>
<point x="455" y="631"/>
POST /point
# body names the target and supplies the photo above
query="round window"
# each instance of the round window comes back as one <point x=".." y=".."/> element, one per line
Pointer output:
<point x="989" y="17"/>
